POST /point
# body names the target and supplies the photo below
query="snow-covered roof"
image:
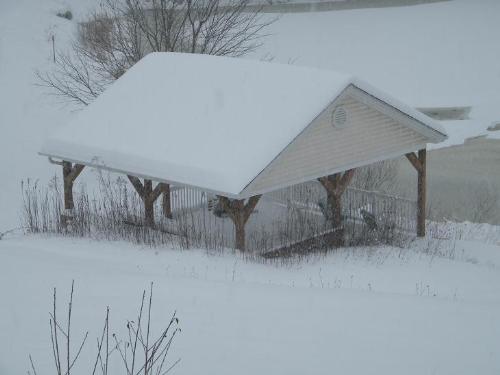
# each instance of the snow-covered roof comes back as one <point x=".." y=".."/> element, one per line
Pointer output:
<point x="205" y="121"/>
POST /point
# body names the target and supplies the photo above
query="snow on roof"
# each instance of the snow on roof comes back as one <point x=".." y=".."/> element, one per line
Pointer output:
<point x="205" y="121"/>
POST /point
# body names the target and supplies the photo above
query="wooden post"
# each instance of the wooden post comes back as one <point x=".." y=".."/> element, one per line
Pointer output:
<point x="166" y="203"/>
<point x="419" y="162"/>
<point x="149" y="208"/>
<point x="422" y="190"/>
<point x="335" y="185"/>
<point x="148" y="196"/>
<point x="68" y="186"/>
<point x="239" y="212"/>
<point x="70" y="173"/>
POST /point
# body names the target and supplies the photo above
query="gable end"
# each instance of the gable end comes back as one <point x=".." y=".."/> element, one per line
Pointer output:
<point x="375" y="131"/>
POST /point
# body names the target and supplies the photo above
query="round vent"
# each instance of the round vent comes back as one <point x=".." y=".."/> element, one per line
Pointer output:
<point x="339" y="117"/>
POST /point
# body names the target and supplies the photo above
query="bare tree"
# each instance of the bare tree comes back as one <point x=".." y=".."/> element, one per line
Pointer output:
<point x="121" y="32"/>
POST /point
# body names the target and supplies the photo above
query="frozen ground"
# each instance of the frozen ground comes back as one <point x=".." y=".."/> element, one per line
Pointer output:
<point x="357" y="311"/>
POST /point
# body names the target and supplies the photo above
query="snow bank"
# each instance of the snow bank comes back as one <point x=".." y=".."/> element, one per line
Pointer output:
<point x="359" y="311"/>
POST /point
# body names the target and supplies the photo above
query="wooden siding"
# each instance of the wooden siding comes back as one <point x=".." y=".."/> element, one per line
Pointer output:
<point x="322" y="149"/>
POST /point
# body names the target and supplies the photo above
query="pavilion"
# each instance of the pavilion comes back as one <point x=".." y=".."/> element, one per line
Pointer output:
<point x="239" y="128"/>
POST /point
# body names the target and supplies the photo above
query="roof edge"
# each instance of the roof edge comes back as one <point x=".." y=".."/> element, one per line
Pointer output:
<point x="140" y="175"/>
<point x="382" y="102"/>
<point x="328" y="172"/>
<point x="418" y="121"/>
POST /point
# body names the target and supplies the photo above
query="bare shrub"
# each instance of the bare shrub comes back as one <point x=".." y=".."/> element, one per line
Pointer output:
<point x="121" y="32"/>
<point x="114" y="212"/>
<point x="141" y="351"/>
<point x="381" y="176"/>
<point x="285" y="222"/>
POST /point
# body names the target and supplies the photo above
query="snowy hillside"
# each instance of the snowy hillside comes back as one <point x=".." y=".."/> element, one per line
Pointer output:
<point x="358" y="311"/>
<point x="431" y="308"/>
<point x="383" y="46"/>
<point x="27" y="116"/>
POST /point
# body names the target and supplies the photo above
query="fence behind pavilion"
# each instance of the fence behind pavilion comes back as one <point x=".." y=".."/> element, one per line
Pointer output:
<point x="282" y="218"/>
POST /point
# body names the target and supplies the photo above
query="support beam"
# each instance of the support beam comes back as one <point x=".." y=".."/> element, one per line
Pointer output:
<point x="149" y="208"/>
<point x="422" y="193"/>
<point x="70" y="173"/>
<point x="166" y="203"/>
<point x="419" y="162"/>
<point x="335" y="185"/>
<point x="148" y="196"/>
<point x="415" y="161"/>
<point x="239" y="212"/>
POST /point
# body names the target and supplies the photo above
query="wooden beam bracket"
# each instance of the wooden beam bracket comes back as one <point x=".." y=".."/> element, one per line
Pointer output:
<point x="419" y="162"/>
<point x="70" y="173"/>
<point x="415" y="161"/>
<point x="239" y="212"/>
<point x="148" y="196"/>
<point x="335" y="185"/>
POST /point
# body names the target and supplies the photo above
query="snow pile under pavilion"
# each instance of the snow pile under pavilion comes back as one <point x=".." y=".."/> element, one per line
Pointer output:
<point x="238" y="129"/>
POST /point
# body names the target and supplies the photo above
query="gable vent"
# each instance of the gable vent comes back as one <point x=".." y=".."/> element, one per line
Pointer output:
<point x="339" y="117"/>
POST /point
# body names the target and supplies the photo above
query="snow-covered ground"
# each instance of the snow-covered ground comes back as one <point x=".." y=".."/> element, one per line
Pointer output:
<point x="426" y="55"/>
<point x="357" y="311"/>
